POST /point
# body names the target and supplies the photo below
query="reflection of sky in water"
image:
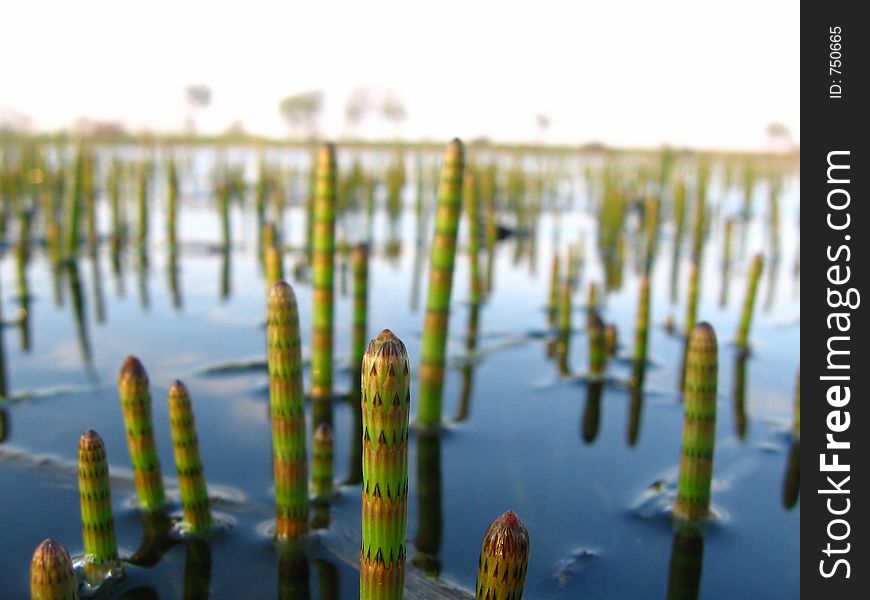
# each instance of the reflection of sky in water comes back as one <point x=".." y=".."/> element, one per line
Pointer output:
<point x="520" y="448"/>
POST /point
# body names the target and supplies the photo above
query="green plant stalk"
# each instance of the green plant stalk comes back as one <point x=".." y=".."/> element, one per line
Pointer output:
<point x="641" y="333"/>
<point x="792" y="483"/>
<point x="89" y="197"/>
<point x="692" y="302"/>
<point x="472" y="214"/>
<point x="185" y="445"/>
<point x="796" y="430"/>
<point x="773" y="216"/>
<point x="597" y="346"/>
<point x="611" y="339"/>
<point x="360" y="265"/>
<point x="726" y="261"/>
<point x="591" y="299"/>
<point x="321" y="462"/>
<point x="553" y="304"/>
<point x="51" y="573"/>
<point x="749" y="302"/>
<point x="286" y="400"/>
<point x="95" y="495"/>
<point x="113" y="184"/>
<point x="327" y="579"/>
<point x="504" y="559"/>
<point x="142" y="203"/>
<point x="679" y="211"/>
<point x="740" y="420"/>
<point x="223" y="205"/>
<point x="565" y="307"/>
<point x="430" y="518"/>
<point x="699" y="226"/>
<point x="323" y="267"/>
<point x="386" y="402"/>
<point x="699" y="425"/>
<point x="262" y="190"/>
<point x="592" y="411"/>
<point x="651" y="227"/>
<point x="488" y="192"/>
<point x="687" y="558"/>
<point x="435" y="324"/>
<point x="563" y="337"/>
<point x="749" y="177"/>
<point x="727" y="241"/>
<point x="635" y="411"/>
<point x="274" y="266"/>
<point x="172" y="202"/>
<point x="197" y="570"/>
<point x="294" y="579"/>
<point x="136" y="407"/>
<point x="172" y="276"/>
<point x="72" y="208"/>
<point x="468" y="369"/>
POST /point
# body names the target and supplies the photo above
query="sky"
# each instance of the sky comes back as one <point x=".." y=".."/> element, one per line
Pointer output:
<point x="621" y="72"/>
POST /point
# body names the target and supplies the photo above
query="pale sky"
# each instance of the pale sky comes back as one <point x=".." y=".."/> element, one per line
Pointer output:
<point x="622" y="72"/>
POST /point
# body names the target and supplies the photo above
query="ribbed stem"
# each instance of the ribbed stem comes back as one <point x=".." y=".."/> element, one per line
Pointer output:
<point x="792" y="484"/>
<point x="651" y="227"/>
<point x="115" y="208"/>
<point x="473" y="216"/>
<point x="504" y="560"/>
<point x="359" y="260"/>
<point x="172" y="202"/>
<point x="197" y="570"/>
<point x="740" y="421"/>
<point x="95" y="495"/>
<point x="796" y="430"/>
<point x="635" y="412"/>
<point x="72" y="205"/>
<point x="322" y="272"/>
<point x="687" y="558"/>
<point x="136" y="407"/>
<point x="592" y="298"/>
<point x="294" y="579"/>
<point x="89" y="197"/>
<point x="749" y="301"/>
<point x="51" y="573"/>
<point x="641" y="333"/>
<point x="692" y="302"/>
<point x="274" y="265"/>
<point x="142" y="204"/>
<point x="191" y="479"/>
<point x="592" y="411"/>
<point x="726" y="261"/>
<point x="699" y="425"/>
<point x="435" y="325"/>
<point x="597" y="346"/>
<point x="386" y="402"/>
<point x="553" y="303"/>
<point x="321" y="462"/>
<point x="286" y="400"/>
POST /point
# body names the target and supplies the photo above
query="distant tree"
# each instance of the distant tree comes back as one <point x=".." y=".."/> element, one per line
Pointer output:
<point x="13" y="121"/>
<point x="392" y="109"/>
<point x="198" y="97"/>
<point x="302" y="111"/>
<point x="357" y="107"/>
<point x="236" y="130"/>
<point x="780" y="135"/>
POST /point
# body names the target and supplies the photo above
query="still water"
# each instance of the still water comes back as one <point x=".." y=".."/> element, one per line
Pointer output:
<point x="592" y="480"/>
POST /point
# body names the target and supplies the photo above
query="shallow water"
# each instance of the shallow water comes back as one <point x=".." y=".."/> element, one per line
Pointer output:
<point x="596" y="506"/>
